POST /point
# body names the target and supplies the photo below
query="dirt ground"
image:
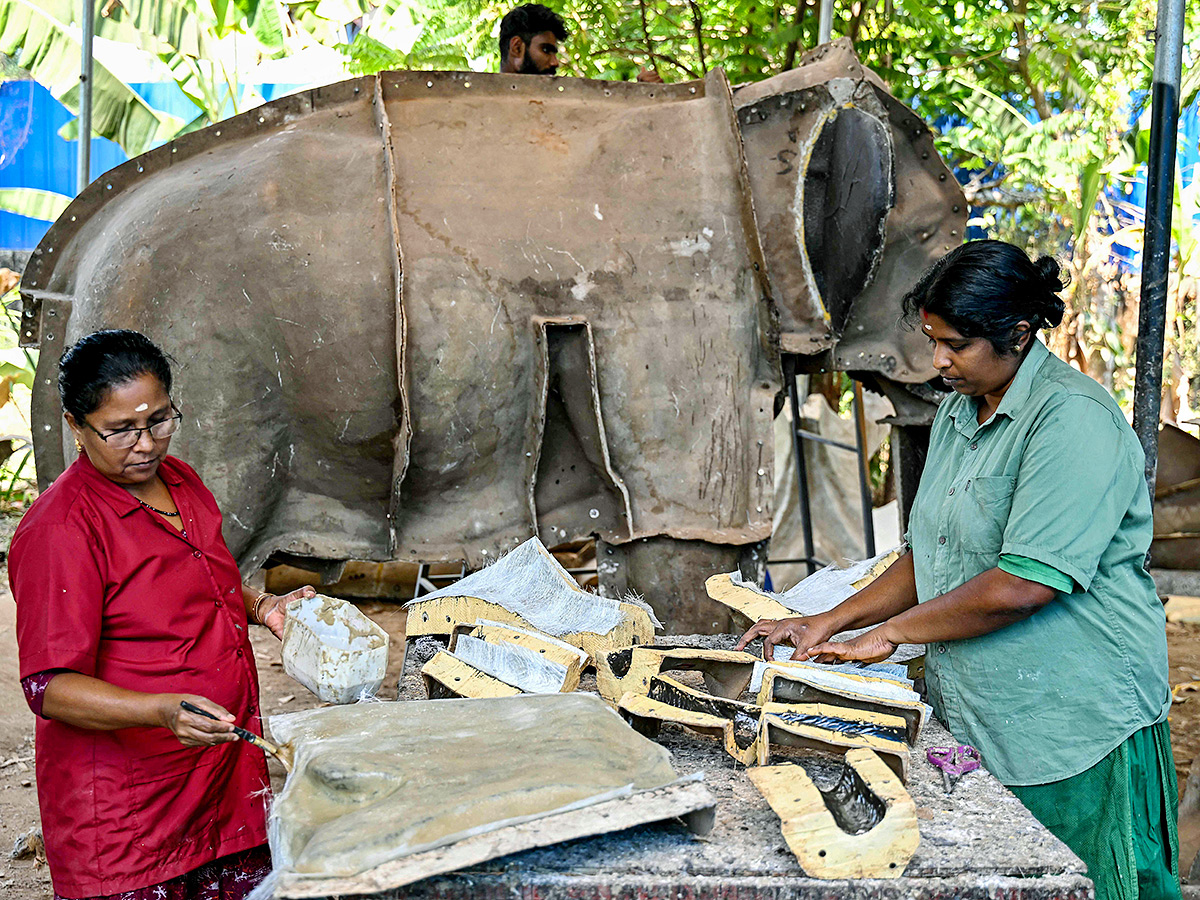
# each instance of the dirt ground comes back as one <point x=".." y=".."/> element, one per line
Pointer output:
<point x="29" y="879"/>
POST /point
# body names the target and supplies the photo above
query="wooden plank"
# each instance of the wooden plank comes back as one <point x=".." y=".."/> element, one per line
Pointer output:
<point x="689" y="800"/>
<point x="447" y="675"/>
<point x="823" y="849"/>
<point x="575" y="554"/>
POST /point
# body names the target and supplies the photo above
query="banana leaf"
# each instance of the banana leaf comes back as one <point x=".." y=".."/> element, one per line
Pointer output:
<point x="37" y="35"/>
<point x="34" y="203"/>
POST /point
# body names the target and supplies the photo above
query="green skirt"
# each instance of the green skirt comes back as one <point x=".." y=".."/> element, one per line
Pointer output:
<point x="1119" y="817"/>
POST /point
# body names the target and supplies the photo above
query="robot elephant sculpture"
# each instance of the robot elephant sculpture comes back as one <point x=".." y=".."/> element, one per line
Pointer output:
<point x="424" y="316"/>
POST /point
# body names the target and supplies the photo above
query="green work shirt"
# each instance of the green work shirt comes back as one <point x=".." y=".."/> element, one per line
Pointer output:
<point x="1055" y="476"/>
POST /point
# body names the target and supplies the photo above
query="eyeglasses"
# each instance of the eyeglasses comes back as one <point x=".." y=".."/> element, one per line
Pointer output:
<point x="127" y="437"/>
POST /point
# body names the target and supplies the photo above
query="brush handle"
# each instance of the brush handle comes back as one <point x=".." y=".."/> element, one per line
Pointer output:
<point x="248" y="736"/>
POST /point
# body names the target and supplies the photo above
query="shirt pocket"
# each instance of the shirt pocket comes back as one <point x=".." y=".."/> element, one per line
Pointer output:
<point x="174" y="795"/>
<point x="983" y="513"/>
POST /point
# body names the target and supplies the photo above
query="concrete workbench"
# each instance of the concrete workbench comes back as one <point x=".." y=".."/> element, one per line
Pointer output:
<point x="978" y="842"/>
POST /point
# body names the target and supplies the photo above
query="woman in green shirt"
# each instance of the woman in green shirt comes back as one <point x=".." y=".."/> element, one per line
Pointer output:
<point x="1025" y="578"/>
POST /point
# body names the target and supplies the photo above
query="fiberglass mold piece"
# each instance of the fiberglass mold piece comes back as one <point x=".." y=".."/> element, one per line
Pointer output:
<point x="446" y="676"/>
<point x="384" y="794"/>
<point x="863" y="824"/>
<point x="529" y="589"/>
<point x="798" y="730"/>
<point x="727" y="673"/>
<point x="439" y="313"/>
<point x="567" y="655"/>
<point x="853" y="203"/>
<point x="804" y="684"/>
<point x="819" y="592"/>
<point x="423" y="368"/>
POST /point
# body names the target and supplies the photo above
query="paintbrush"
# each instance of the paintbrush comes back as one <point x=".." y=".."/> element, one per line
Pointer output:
<point x="283" y="754"/>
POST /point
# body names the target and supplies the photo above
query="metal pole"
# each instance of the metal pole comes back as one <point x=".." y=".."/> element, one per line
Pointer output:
<point x="801" y="468"/>
<point x="1156" y="249"/>
<point x="83" y="176"/>
<point x="825" y="22"/>
<point x="864" y="470"/>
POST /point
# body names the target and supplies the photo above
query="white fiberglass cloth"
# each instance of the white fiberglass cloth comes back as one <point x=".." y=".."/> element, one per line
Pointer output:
<point x="878" y="683"/>
<point x="892" y="671"/>
<point x="529" y="581"/>
<point x="541" y="636"/>
<point x="522" y="668"/>
<point x="821" y="592"/>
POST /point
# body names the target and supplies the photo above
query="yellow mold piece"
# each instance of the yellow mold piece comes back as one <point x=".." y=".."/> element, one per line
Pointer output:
<point x="821" y="845"/>
<point x="447" y="676"/>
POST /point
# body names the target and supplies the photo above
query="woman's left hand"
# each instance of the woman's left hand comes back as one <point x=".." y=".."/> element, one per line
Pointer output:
<point x="871" y="646"/>
<point x="274" y="609"/>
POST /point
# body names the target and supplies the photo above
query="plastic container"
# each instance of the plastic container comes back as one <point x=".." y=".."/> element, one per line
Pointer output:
<point x="333" y="649"/>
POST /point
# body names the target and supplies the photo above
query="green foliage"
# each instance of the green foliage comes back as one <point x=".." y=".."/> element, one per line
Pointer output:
<point x="34" y="203"/>
<point x="40" y="37"/>
<point x="1031" y="98"/>
<point x="368" y="56"/>
<point x="18" y="487"/>
<point x="37" y="36"/>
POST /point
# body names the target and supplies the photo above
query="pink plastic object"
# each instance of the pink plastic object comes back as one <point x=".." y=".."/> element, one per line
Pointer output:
<point x="954" y="762"/>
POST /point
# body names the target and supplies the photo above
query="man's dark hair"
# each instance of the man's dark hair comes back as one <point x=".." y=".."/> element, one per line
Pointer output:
<point x="527" y="20"/>
<point x="986" y="288"/>
<point x="105" y="360"/>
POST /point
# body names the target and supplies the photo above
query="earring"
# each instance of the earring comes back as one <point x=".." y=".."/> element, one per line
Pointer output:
<point x="78" y="446"/>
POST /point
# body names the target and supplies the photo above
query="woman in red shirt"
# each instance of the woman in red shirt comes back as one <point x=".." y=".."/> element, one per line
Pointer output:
<point x="128" y="602"/>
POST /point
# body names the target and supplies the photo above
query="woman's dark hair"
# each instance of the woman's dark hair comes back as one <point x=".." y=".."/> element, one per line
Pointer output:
<point x="985" y="288"/>
<point x="105" y="360"/>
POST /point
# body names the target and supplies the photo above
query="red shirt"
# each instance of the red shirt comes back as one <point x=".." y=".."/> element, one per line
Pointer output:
<point x="106" y="588"/>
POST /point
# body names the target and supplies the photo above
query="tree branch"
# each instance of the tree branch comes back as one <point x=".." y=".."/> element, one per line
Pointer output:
<point x="789" y="59"/>
<point x="633" y="54"/>
<point x="1000" y="197"/>
<point x="859" y="9"/>
<point x="1021" y="9"/>
<point x="698" y="26"/>
<point x="646" y="35"/>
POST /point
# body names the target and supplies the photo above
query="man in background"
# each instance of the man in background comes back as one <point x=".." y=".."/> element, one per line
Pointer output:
<point x="529" y="38"/>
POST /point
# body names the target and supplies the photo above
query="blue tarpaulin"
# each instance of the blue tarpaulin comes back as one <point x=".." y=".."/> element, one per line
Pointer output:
<point x="32" y="154"/>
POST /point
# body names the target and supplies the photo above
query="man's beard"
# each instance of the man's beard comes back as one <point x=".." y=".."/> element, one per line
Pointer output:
<point x="529" y="67"/>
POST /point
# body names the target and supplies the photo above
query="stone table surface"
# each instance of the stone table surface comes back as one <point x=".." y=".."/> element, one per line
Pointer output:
<point x="978" y="841"/>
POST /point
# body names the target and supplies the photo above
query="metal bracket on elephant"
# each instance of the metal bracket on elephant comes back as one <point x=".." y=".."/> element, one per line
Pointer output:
<point x="51" y="451"/>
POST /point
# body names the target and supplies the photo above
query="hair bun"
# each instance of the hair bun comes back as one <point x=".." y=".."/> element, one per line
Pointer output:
<point x="1055" y="278"/>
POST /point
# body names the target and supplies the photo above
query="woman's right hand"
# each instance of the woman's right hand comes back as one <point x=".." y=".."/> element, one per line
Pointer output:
<point x="193" y="729"/>
<point x="802" y="632"/>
